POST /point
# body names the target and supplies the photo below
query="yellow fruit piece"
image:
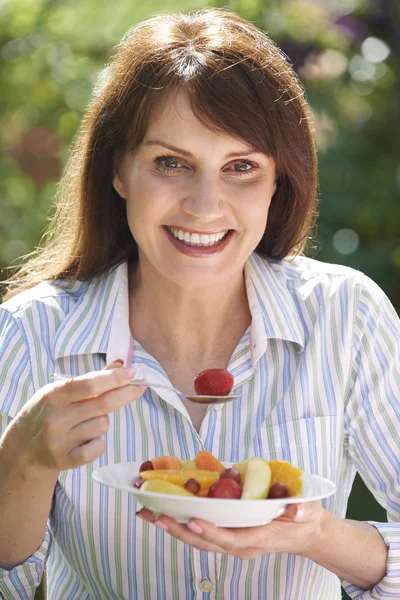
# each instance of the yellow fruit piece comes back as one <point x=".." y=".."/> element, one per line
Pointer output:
<point x="205" y="478"/>
<point x="283" y="472"/>
<point x="164" y="487"/>
<point x="241" y="467"/>
<point x="188" y="464"/>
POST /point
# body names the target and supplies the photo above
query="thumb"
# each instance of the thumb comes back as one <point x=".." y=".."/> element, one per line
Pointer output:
<point x="294" y="512"/>
<point x="116" y="364"/>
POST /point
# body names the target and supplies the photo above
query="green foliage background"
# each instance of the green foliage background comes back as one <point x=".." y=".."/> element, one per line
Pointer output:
<point x="52" y="51"/>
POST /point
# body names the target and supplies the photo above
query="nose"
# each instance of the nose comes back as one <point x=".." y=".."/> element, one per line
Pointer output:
<point x="205" y="200"/>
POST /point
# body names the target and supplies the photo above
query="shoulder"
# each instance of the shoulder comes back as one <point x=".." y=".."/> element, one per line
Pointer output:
<point x="320" y="284"/>
<point x="305" y="270"/>
<point x="45" y="297"/>
<point x="302" y="274"/>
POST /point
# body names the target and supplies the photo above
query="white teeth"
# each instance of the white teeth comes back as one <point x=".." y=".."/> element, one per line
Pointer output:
<point x="198" y="239"/>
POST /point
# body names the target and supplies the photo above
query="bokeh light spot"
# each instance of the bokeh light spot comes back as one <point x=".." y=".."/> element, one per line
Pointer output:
<point x="361" y="69"/>
<point x="346" y="241"/>
<point x="375" y="50"/>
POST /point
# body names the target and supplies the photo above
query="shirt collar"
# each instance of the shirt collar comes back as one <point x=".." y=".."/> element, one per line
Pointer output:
<point x="272" y="305"/>
<point x="102" y="309"/>
<point x="98" y="323"/>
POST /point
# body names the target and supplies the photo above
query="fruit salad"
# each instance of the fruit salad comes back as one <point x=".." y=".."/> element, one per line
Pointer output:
<point x="206" y="477"/>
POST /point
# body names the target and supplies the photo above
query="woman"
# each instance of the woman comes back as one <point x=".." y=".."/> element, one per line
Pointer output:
<point x="191" y="185"/>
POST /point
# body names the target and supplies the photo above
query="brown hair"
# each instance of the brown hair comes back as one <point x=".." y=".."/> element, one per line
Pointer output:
<point x="237" y="81"/>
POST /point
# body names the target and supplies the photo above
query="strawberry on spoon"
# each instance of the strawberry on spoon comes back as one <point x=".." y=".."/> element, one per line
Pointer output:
<point x="213" y="382"/>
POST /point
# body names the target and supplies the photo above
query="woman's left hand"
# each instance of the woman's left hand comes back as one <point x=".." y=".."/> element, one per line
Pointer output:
<point x="297" y="532"/>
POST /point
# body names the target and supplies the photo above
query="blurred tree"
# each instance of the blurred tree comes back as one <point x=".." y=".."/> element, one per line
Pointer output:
<point x="346" y="53"/>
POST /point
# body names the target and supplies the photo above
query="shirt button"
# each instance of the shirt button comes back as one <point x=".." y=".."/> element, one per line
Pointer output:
<point x="206" y="586"/>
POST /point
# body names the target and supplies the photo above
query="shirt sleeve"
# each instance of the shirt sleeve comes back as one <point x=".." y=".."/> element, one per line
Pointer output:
<point x="22" y="581"/>
<point x="372" y="422"/>
<point x="15" y="389"/>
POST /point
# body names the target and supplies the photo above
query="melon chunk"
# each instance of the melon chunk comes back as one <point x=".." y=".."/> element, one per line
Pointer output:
<point x="165" y="487"/>
<point x="166" y="462"/>
<point x="205" y="478"/>
<point x="206" y="461"/>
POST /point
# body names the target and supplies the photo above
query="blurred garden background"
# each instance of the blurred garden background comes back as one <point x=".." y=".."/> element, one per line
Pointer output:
<point x="347" y="53"/>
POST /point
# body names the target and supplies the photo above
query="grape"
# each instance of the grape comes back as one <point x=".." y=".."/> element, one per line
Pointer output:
<point x="192" y="485"/>
<point x="146" y="466"/>
<point x="225" y="488"/>
<point x="138" y="483"/>
<point x="231" y="474"/>
<point x="278" y="490"/>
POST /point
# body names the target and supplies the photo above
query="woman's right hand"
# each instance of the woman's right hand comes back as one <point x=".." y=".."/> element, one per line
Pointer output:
<point x="61" y="426"/>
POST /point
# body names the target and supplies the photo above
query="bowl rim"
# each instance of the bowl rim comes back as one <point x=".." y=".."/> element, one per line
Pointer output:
<point x="308" y="477"/>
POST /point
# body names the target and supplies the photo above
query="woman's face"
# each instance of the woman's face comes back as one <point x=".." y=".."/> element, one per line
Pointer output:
<point x="197" y="200"/>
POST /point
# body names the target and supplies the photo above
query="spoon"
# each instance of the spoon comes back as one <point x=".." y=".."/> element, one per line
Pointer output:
<point x="199" y="399"/>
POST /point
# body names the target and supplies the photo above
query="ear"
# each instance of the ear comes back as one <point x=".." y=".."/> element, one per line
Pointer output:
<point x="117" y="184"/>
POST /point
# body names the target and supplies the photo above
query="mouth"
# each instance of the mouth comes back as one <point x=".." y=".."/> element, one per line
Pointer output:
<point x="198" y="239"/>
<point x="198" y="244"/>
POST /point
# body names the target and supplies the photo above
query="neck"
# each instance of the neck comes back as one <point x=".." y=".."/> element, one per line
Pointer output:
<point x="201" y="325"/>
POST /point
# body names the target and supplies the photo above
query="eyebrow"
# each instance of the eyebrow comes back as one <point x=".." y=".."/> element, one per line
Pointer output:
<point x="248" y="150"/>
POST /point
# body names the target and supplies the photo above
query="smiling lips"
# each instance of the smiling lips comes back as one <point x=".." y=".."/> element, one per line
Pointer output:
<point x="198" y="244"/>
<point x="197" y="239"/>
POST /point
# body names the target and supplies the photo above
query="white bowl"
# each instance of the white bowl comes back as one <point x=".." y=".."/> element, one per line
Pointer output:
<point x="220" y="512"/>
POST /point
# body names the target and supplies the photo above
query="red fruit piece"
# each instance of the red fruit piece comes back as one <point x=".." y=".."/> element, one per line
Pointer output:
<point x="146" y="466"/>
<point x="231" y="474"/>
<point x="213" y="382"/>
<point x="193" y="486"/>
<point x="278" y="490"/>
<point x="138" y="483"/>
<point x="225" y="488"/>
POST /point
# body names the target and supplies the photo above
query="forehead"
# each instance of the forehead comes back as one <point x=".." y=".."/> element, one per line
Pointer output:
<point x="174" y="106"/>
<point x="173" y="115"/>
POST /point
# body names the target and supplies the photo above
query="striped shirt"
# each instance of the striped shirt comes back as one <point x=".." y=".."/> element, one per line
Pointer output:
<point x="323" y="349"/>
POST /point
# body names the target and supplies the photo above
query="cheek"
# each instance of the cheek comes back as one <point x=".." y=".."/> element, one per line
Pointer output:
<point x="255" y="213"/>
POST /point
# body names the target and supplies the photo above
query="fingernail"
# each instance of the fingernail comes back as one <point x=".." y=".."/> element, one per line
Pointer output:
<point x="130" y="372"/>
<point x="119" y="360"/>
<point x="300" y="512"/>
<point x="161" y="525"/>
<point x="194" y="527"/>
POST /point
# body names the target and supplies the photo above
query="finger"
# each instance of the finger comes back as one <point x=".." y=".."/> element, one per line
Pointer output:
<point x="182" y="533"/>
<point x="146" y="515"/>
<point x="86" y="453"/>
<point x="301" y="512"/>
<point x="230" y="540"/>
<point x="90" y="385"/>
<point x="88" y="430"/>
<point x="104" y="404"/>
<point x="117" y="364"/>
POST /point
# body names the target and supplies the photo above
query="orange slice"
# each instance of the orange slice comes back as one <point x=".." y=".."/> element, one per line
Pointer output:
<point x="283" y="472"/>
<point x="205" y="478"/>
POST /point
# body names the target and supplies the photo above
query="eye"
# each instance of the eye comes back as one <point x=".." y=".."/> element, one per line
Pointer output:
<point x="168" y="163"/>
<point x="243" y="167"/>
